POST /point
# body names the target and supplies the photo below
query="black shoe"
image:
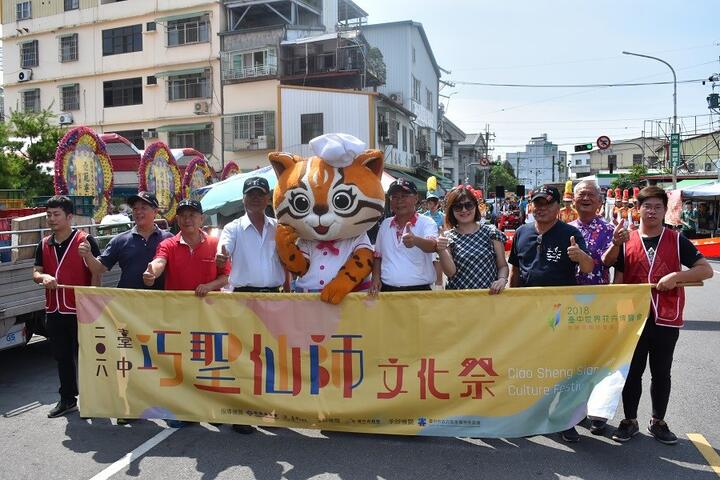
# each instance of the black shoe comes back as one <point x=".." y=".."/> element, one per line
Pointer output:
<point x="661" y="432"/>
<point x="626" y="430"/>
<point x="570" y="435"/>
<point x="244" y="429"/>
<point x="63" y="407"/>
<point x="597" y="427"/>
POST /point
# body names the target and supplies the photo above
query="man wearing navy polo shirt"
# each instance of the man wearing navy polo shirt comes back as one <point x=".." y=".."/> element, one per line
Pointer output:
<point x="547" y="253"/>
<point x="133" y="249"/>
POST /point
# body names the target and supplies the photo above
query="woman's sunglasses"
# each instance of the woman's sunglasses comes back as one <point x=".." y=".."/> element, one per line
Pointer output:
<point x="459" y="207"/>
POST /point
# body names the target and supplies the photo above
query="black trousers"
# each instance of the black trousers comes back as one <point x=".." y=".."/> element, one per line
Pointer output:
<point x="410" y="288"/>
<point x="257" y="289"/>
<point x="62" y="330"/>
<point x="658" y="343"/>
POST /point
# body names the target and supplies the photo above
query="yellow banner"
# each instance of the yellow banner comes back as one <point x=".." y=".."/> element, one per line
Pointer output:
<point x="453" y="363"/>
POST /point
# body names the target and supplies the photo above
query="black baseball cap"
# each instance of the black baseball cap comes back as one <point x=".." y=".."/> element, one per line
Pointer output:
<point x="549" y="193"/>
<point x="146" y="197"/>
<point x="256" y="183"/>
<point x="402" y="185"/>
<point x="191" y="204"/>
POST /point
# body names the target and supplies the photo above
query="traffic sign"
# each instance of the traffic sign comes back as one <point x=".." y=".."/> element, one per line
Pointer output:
<point x="603" y="142"/>
<point x="674" y="149"/>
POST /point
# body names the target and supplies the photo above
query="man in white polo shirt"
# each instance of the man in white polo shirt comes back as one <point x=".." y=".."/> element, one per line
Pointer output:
<point x="405" y="244"/>
<point x="249" y="243"/>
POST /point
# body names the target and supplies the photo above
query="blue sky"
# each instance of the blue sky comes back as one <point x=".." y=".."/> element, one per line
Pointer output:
<point x="561" y="42"/>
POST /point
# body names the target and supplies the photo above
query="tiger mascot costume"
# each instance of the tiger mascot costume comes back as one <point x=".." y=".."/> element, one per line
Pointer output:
<point x="324" y="206"/>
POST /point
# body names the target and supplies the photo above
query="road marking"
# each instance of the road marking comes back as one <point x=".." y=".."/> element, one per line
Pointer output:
<point x="21" y="410"/>
<point x="707" y="451"/>
<point x="134" y="455"/>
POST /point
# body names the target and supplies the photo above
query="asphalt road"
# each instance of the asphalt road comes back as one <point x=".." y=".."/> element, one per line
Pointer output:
<point x="33" y="446"/>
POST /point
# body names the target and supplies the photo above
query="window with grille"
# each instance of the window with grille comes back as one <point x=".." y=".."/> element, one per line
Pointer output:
<point x="188" y="31"/>
<point x="416" y="89"/>
<point x="72" y="5"/>
<point x="250" y="131"/>
<point x="29" y="54"/>
<point x="201" y="140"/>
<point x="404" y="139"/>
<point x="429" y="98"/>
<point x="183" y="87"/>
<point x="69" y="48"/>
<point x="122" y="40"/>
<point x="637" y="159"/>
<point x="70" y="97"/>
<point x="311" y="126"/>
<point x="31" y="101"/>
<point x="23" y="10"/>
<point x="128" y="91"/>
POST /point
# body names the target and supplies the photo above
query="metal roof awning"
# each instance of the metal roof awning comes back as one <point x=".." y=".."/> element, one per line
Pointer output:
<point x="183" y="16"/>
<point x="419" y="183"/>
<point x="188" y="127"/>
<point x="321" y="38"/>
<point x="186" y="71"/>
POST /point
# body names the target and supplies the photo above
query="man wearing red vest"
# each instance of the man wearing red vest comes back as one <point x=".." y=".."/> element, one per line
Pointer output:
<point x="58" y="263"/>
<point x="654" y="254"/>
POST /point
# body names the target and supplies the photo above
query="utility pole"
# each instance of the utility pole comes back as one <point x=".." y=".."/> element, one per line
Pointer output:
<point x="674" y="124"/>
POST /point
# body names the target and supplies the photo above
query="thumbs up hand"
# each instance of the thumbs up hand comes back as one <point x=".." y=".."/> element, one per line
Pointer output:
<point x="222" y="257"/>
<point x="574" y="252"/>
<point x="84" y="249"/>
<point x="442" y="243"/>
<point x="620" y="235"/>
<point x="149" y="276"/>
<point x="408" y="237"/>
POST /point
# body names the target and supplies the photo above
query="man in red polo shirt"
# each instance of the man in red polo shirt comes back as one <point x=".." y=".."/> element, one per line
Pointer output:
<point x="188" y="258"/>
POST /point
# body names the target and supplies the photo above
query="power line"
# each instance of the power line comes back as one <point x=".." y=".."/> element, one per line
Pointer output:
<point x="575" y="85"/>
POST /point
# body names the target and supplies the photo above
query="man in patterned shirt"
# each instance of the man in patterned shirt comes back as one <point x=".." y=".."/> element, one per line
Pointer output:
<point x="595" y="230"/>
<point x="598" y="235"/>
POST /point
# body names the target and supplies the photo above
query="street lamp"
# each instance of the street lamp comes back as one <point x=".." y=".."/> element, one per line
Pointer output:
<point x="674" y="126"/>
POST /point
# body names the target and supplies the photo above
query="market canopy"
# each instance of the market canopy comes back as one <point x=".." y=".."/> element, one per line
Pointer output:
<point x="226" y="197"/>
<point x="706" y="190"/>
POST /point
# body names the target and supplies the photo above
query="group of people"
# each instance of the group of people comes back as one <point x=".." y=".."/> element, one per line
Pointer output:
<point x="411" y="252"/>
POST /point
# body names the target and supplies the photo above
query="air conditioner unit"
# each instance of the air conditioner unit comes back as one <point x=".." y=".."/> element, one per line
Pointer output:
<point x="151" y="27"/>
<point x="396" y="97"/>
<point x="24" y="75"/>
<point x="691" y="167"/>
<point x="201" y="107"/>
<point x="149" y="133"/>
<point x="262" y="142"/>
<point x="150" y="80"/>
<point x="65" y="119"/>
<point x="708" y="167"/>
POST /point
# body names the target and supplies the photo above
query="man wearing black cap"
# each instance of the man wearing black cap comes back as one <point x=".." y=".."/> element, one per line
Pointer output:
<point x="249" y="242"/>
<point x="133" y="249"/>
<point x="547" y="253"/>
<point x="188" y="258"/>
<point x="405" y="244"/>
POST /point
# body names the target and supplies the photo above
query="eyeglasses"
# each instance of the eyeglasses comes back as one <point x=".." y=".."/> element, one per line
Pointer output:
<point x="459" y="207"/>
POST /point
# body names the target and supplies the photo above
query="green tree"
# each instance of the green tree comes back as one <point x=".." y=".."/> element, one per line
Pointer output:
<point x="29" y="141"/>
<point x="630" y="179"/>
<point x="502" y="174"/>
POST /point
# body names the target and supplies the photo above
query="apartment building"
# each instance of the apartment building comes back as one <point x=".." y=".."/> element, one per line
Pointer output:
<point x="145" y="70"/>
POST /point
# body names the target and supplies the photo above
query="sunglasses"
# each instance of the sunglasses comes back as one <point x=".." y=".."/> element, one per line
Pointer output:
<point x="459" y="207"/>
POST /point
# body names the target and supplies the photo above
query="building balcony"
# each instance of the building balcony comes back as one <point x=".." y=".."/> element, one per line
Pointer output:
<point x="254" y="72"/>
